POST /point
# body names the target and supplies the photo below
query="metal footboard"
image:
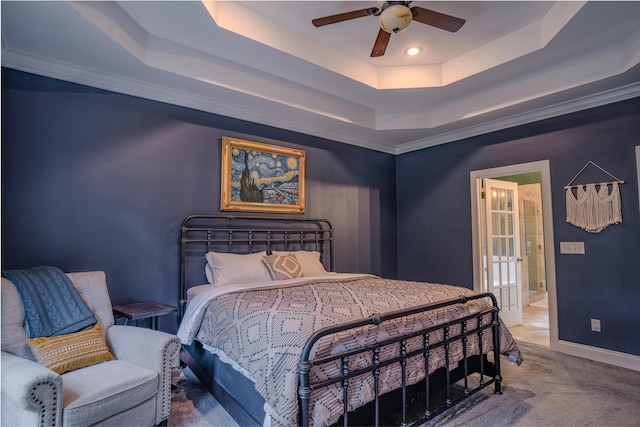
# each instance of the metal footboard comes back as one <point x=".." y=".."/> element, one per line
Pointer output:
<point x="460" y="329"/>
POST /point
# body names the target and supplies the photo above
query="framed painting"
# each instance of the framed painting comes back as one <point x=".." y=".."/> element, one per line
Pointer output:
<point x="260" y="177"/>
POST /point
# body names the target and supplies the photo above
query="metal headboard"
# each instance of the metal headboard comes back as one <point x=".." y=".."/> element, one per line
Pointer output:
<point x="245" y="234"/>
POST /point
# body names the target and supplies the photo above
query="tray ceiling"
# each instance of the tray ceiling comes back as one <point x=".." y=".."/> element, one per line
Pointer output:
<point x="262" y="61"/>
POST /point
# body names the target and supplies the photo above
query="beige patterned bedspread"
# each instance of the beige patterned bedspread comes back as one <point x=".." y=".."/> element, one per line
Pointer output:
<point x="265" y="330"/>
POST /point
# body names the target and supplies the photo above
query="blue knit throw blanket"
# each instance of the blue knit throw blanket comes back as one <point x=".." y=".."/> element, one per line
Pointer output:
<point x="52" y="305"/>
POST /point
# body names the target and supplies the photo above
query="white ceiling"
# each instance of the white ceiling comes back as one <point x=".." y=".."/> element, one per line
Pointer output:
<point x="263" y="61"/>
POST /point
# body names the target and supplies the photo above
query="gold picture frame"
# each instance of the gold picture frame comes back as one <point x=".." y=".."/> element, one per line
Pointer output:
<point x="259" y="177"/>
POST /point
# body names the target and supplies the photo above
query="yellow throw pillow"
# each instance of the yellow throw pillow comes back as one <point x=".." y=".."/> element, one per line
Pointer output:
<point x="64" y="353"/>
<point x="283" y="266"/>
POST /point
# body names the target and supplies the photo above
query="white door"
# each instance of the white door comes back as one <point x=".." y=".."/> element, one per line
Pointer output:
<point x="502" y="254"/>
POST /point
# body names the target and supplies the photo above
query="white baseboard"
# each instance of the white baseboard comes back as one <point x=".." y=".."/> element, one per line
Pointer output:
<point x="611" y="357"/>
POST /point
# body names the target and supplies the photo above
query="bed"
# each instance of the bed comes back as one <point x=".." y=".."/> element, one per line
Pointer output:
<point x="280" y="339"/>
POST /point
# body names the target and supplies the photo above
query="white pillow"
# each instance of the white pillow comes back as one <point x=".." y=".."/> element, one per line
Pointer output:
<point x="226" y="268"/>
<point x="208" y="271"/>
<point x="308" y="260"/>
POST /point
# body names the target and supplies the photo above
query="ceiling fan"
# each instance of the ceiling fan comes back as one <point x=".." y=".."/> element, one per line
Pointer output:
<point x="395" y="16"/>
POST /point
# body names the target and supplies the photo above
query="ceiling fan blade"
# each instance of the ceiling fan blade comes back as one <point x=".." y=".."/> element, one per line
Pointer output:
<point x="380" y="45"/>
<point x="437" y="19"/>
<point x="319" y="22"/>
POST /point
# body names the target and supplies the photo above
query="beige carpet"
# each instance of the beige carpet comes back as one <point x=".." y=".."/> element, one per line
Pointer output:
<point x="549" y="389"/>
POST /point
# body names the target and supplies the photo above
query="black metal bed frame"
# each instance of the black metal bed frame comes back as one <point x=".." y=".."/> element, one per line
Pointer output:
<point x="462" y="372"/>
<point x="247" y="234"/>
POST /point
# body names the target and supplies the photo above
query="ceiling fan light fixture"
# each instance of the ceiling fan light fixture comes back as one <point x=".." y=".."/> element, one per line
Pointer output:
<point x="395" y="18"/>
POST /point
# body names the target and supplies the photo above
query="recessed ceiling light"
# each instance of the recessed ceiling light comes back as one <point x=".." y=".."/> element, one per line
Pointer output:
<point x="413" y="50"/>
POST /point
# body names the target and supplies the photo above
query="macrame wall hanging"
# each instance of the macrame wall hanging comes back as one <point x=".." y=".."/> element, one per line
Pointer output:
<point x="594" y="207"/>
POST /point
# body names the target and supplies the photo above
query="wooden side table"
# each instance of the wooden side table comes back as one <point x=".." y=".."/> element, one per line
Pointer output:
<point x="144" y="310"/>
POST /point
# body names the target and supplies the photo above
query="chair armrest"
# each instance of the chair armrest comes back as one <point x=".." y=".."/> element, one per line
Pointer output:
<point x="151" y="349"/>
<point x="145" y="347"/>
<point x="30" y="392"/>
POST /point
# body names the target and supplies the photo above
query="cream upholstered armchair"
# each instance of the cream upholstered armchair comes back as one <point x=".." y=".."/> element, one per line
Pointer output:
<point x="132" y="390"/>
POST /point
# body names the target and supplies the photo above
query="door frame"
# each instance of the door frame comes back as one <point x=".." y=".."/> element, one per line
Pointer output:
<point x="543" y="168"/>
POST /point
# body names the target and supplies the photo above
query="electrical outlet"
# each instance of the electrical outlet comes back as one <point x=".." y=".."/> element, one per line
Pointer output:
<point x="572" y="248"/>
<point x="595" y="325"/>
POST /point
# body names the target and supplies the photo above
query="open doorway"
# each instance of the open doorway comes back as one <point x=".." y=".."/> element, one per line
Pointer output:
<point x="532" y="252"/>
<point x="534" y="326"/>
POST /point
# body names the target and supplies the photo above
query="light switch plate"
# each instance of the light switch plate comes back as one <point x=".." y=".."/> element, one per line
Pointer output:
<point x="572" y="248"/>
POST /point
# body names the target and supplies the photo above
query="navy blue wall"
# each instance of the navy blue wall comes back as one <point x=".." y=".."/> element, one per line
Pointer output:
<point x="434" y="216"/>
<point x="93" y="180"/>
<point x="97" y="180"/>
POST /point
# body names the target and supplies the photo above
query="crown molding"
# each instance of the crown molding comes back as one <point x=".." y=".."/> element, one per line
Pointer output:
<point x="260" y="113"/>
<point x="559" y="109"/>
<point x="127" y="86"/>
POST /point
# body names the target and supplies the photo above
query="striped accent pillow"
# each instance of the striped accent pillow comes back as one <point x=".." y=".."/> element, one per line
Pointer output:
<point x="64" y="353"/>
<point x="283" y="266"/>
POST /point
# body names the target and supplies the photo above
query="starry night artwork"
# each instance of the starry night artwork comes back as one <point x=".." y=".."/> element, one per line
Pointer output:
<point x="259" y="177"/>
